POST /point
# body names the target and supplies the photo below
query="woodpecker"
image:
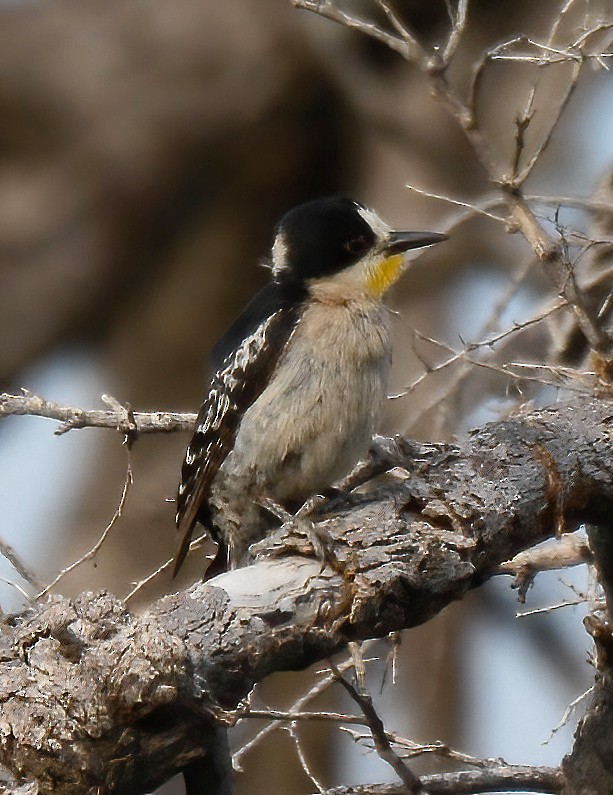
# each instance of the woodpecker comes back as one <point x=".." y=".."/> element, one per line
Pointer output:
<point x="299" y="379"/>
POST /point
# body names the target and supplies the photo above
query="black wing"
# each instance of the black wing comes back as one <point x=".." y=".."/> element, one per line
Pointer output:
<point x="244" y="359"/>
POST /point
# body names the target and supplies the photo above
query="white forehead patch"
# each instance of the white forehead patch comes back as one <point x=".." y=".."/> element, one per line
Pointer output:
<point x="378" y="225"/>
<point x="279" y="254"/>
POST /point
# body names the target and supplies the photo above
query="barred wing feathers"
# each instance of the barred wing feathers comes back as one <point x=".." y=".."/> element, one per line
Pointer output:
<point x="246" y="357"/>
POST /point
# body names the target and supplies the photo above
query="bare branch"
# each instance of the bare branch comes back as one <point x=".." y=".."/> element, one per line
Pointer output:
<point x="411" y="750"/>
<point x="569" y="550"/>
<point x="550" y="608"/>
<point x="122" y="419"/>
<point x="458" y="25"/>
<point x="20" y="589"/>
<point x="400" y="27"/>
<point x="580" y="380"/>
<point x="304" y="763"/>
<point x="290" y="716"/>
<point x="405" y="45"/>
<point x="518" y="179"/>
<point x="145" y="688"/>
<point x="556" y="268"/>
<point x="412" y="783"/>
<point x="501" y="778"/>
<point x="476" y="209"/>
<point x="7" y="551"/>
<point x="317" y="689"/>
<point x="166" y="566"/>
<point x="569" y="711"/>
<point x="91" y="554"/>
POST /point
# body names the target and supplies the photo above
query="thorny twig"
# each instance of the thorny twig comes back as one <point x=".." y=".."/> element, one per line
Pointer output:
<point x="410" y="749"/>
<point x="443" y="400"/>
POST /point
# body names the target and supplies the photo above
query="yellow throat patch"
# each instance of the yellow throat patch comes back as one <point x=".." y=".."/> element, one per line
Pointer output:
<point x="381" y="277"/>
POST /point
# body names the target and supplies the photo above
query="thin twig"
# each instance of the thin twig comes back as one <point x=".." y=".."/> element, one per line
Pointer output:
<point x="477" y="209"/>
<point x="524" y="120"/>
<point x="582" y="381"/>
<point x="304" y="763"/>
<point x="444" y="402"/>
<point x="497" y="778"/>
<point x="550" y="608"/>
<point x="560" y="16"/>
<point x="7" y="551"/>
<point x="28" y="597"/>
<point x="587" y="203"/>
<point x="458" y="25"/>
<point x="380" y="739"/>
<point x="556" y="268"/>
<point x="463" y="354"/>
<point x="319" y="687"/>
<point x="406" y="47"/>
<point x="128" y="480"/>
<point x="518" y="179"/>
<point x="568" y="712"/>
<point x="137" y="586"/>
<point x="411" y="749"/>
<point x="289" y="716"/>
<point x="399" y="25"/>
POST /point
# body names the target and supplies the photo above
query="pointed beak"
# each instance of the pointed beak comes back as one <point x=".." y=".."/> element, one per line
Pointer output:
<point x="398" y="242"/>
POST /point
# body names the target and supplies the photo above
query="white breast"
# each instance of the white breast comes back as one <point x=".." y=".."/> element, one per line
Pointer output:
<point x="316" y="417"/>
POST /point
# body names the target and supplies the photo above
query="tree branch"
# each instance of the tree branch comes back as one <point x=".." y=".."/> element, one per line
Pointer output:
<point x="589" y="767"/>
<point x="510" y="180"/>
<point x="94" y="696"/>
<point x="361" y="696"/>
<point x="119" y="417"/>
<point x="499" y="778"/>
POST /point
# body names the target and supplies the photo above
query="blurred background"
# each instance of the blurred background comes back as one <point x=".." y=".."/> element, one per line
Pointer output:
<point x="146" y="151"/>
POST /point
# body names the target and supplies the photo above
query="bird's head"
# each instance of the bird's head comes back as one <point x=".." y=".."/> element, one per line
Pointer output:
<point x="340" y="243"/>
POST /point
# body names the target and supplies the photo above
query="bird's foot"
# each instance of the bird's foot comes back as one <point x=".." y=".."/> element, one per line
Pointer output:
<point x="275" y="509"/>
<point x="328" y="501"/>
<point x="300" y="535"/>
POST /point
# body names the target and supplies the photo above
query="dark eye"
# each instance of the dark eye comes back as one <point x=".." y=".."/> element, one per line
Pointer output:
<point x="358" y="245"/>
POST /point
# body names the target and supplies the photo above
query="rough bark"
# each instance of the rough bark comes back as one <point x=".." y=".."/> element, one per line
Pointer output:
<point x="95" y="698"/>
<point x="589" y="768"/>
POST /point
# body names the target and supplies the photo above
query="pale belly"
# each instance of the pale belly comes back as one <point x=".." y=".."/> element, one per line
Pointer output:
<point x="317" y="417"/>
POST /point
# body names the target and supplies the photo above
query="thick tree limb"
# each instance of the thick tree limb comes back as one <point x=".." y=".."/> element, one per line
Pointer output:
<point x="92" y="696"/>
